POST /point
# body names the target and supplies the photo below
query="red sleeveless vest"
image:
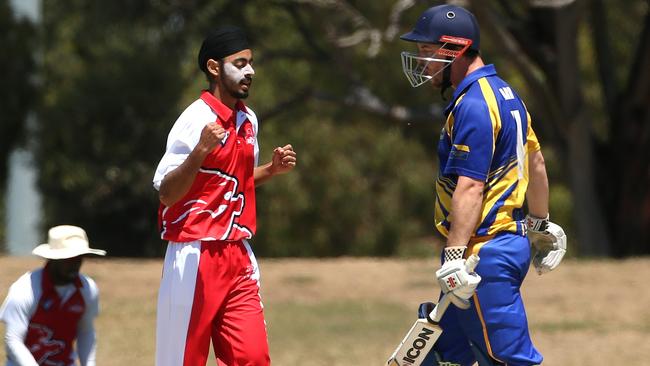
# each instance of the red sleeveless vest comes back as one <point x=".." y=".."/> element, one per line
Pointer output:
<point x="220" y="204"/>
<point x="53" y="328"/>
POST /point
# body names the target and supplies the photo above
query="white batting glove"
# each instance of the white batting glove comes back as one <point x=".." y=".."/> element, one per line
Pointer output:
<point x="454" y="276"/>
<point x="548" y="241"/>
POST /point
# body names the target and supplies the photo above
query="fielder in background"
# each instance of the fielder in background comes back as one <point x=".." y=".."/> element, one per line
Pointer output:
<point x="490" y="161"/>
<point x="48" y="309"/>
<point x="206" y="180"/>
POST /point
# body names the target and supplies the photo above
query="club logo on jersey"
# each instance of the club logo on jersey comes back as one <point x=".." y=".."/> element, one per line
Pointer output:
<point x="76" y="308"/>
<point x="248" y="272"/>
<point x="47" y="304"/>
<point x="250" y="137"/>
<point x="225" y="138"/>
<point x="460" y="152"/>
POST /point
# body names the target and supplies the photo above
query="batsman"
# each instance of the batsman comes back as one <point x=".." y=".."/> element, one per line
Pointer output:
<point x="490" y="162"/>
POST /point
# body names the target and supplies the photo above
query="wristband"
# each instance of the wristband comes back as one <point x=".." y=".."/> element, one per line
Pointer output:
<point x="455" y="252"/>
<point x="536" y="223"/>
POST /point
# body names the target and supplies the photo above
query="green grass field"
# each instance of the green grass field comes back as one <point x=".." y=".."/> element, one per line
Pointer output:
<point x="355" y="311"/>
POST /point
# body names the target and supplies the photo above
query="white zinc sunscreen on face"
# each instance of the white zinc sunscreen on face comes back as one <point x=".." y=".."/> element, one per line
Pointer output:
<point x="235" y="74"/>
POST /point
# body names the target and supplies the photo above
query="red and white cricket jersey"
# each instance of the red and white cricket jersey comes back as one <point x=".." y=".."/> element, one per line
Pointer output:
<point x="53" y="327"/>
<point x="43" y="321"/>
<point x="220" y="204"/>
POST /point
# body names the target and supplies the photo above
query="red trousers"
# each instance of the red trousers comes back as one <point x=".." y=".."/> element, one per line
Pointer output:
<point x="210" y="291"/>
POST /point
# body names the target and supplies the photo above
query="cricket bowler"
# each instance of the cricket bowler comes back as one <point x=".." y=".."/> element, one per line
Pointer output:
<point x="209" y="290"/>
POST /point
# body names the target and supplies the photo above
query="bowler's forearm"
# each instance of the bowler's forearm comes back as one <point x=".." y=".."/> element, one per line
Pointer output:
<point x="178" y="182"/>
<point x="262" y="174"/>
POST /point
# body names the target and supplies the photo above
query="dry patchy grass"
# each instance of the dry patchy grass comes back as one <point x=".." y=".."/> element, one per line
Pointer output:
<point x="354" y="311"/>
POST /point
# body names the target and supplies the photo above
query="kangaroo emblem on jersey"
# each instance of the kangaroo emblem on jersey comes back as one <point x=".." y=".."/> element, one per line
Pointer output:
<point x="44" y="346"/>
<point x="230" y="204"/>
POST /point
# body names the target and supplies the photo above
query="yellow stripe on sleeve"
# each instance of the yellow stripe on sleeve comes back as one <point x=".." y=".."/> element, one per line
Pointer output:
<point x="491" y="100"/>
<point x="531" y="138"/>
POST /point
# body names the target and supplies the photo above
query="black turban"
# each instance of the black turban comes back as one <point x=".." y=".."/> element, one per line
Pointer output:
<point x="221" y="42"/>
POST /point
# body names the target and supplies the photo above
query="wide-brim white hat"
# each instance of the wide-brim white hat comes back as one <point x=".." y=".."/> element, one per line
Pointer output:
<point x="66" y="241"/>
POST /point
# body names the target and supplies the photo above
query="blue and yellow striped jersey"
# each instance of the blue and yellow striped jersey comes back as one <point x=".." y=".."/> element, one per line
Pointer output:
<point x="487" y="136"/>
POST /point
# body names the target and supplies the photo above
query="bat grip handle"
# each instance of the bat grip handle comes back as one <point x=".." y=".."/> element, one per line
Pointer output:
<point x="439" y="310"/>
<point x="471" y="263"/>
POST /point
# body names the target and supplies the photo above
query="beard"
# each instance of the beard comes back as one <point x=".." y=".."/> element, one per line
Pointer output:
<point x="239" y="94"/>
<point x="436" y="83"/>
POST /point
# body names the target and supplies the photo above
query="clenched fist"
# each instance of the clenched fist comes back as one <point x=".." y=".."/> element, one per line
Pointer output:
<point x="211" y="135"/>
<point x="284" y="159"/>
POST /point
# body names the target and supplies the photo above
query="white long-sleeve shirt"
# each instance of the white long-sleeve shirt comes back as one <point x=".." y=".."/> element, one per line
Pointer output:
<point x="21" y="304"/>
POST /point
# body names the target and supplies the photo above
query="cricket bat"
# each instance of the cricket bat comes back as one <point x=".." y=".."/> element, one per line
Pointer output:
<point x="425" y="332"/>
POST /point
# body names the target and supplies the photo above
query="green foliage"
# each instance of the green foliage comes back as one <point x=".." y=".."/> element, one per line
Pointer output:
<point x="17" y="96"/>
<point x="117" y="74"/>
<point x="112" y="86"/>
<point x="359" y="189"/>
<point x="116" y="80"/>
<point x="625" y="19"/>
<point x="362" y="186"/>
<point x="17" y="40"/>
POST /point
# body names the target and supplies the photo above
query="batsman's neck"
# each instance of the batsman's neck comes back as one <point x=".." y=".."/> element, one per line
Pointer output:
<point x="463" y="67"/>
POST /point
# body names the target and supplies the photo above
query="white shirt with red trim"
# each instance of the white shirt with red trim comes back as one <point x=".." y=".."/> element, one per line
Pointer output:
<point x="220" y="204"/>
<point x="185" y="135"/>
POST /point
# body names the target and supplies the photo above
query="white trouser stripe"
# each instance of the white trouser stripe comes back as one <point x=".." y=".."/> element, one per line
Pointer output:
<point x="175" y="299"/>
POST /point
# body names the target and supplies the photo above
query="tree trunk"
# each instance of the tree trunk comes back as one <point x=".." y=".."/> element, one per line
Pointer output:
<point x="554" y="27"/>
<point x="559" y="21"/>
<point x="631" y="146"/>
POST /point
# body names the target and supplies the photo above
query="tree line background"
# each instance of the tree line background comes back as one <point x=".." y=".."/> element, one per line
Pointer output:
<point x="106" y="81"/>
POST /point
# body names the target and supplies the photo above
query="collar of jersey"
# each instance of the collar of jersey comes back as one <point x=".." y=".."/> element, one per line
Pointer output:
<point x="222" y="111"/>
<point x="487" y="70"/>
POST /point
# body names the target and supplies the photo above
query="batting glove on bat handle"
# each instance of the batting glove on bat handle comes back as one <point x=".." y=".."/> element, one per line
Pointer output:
<point x="470" y="265"/>
<point x="472" y="262"/>
<point x="458" y="280"/>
